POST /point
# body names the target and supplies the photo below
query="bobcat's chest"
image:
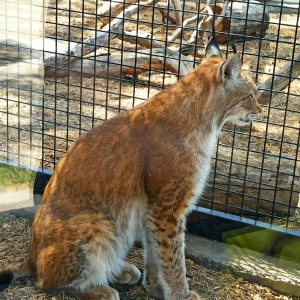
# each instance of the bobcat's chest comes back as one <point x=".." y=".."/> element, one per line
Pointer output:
<point x="203" y="162"/>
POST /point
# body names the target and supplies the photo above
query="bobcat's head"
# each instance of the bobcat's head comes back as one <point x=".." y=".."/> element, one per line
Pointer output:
<point x="234" y="96"/>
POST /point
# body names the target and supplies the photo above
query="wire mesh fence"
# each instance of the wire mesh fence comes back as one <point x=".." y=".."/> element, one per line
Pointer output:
<point x="67" y="65"/>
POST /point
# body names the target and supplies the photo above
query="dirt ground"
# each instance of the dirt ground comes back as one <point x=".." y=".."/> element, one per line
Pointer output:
<point x="210" y="284"/>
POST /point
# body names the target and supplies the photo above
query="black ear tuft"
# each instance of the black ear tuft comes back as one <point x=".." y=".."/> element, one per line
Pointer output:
<point x="233" y="46"/>
<point x="6" y="277"/>
<point x="212" y="48"/>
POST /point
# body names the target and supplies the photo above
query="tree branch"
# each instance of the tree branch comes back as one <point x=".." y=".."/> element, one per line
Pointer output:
<point x="110" y="30"/>
<point x="281" y="79"/>
<point x="178" y="11"/>
<point x="177" y="32"/>
<point x="143" y="38"/>
<point x="164" y="9"/>
<point x="218" y="21"/>
<point x="128" y="63"/>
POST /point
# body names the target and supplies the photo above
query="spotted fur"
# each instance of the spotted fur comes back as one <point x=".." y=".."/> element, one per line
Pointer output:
<point x="135" y="177"/>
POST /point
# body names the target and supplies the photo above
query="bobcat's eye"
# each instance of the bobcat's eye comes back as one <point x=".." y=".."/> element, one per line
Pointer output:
<point x="251" y="96"/>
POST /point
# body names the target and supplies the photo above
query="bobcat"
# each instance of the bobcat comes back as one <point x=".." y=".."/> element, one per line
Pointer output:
<point x="135" y="177"/>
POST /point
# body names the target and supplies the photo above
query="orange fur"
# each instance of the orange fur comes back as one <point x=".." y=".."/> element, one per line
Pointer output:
<point x="135" y="177"/>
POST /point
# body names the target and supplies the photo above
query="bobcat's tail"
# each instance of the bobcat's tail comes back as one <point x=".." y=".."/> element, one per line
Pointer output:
<point x="9" y="273"/>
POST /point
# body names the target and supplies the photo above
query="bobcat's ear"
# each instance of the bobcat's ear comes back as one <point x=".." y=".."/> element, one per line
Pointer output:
<point x="212" y="48"/>
<point x="231" y="68"/>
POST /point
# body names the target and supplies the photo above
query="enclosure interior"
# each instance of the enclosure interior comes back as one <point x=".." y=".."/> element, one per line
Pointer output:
<point x="66" y="66"/>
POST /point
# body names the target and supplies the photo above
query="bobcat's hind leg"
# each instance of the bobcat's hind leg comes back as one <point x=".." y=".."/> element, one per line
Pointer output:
<point x="85" y="254"/>
<point x="97" y="293"/>
<point x="130" y="275"/>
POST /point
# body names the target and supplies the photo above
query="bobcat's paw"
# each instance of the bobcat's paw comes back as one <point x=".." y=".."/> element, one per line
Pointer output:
<point x="130" y="275"/>
<point x="154" y="290"/>
<point x="193" y="296"/>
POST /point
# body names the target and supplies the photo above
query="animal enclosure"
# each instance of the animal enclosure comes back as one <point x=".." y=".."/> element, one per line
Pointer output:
<point x="67" y="65"/>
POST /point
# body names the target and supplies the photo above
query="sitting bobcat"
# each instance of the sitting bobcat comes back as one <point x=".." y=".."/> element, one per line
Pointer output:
<point x="135" y="177"/>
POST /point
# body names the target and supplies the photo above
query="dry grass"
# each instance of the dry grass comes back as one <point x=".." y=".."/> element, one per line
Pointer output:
<point x="210" y="284"/>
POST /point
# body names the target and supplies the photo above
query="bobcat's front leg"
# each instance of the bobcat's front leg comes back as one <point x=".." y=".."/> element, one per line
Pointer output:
<point x="151" y="281"/>
<point x="168" y="239"/>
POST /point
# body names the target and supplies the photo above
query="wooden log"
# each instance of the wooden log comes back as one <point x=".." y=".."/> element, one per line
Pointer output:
<point x="258" y="182"/>
<point x="164" y="11"/>
<point x="13" y="51"/>
<point x="31" y="70"/>
<point x="279" y="81"/>
<point x="111" y="30"/>
<point x="100" y="39"/>
<point x="178" y="11"/>
<point x="178" y="31"/>
<point x="248" y="20"/>
<point x="127" y="64"/>
<point x="53" y="51"/>
<point x="203" y="24"/>
<point x="143" y="38"/>
<point x="241" y="21"/>
<point x="220" y="22"/>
